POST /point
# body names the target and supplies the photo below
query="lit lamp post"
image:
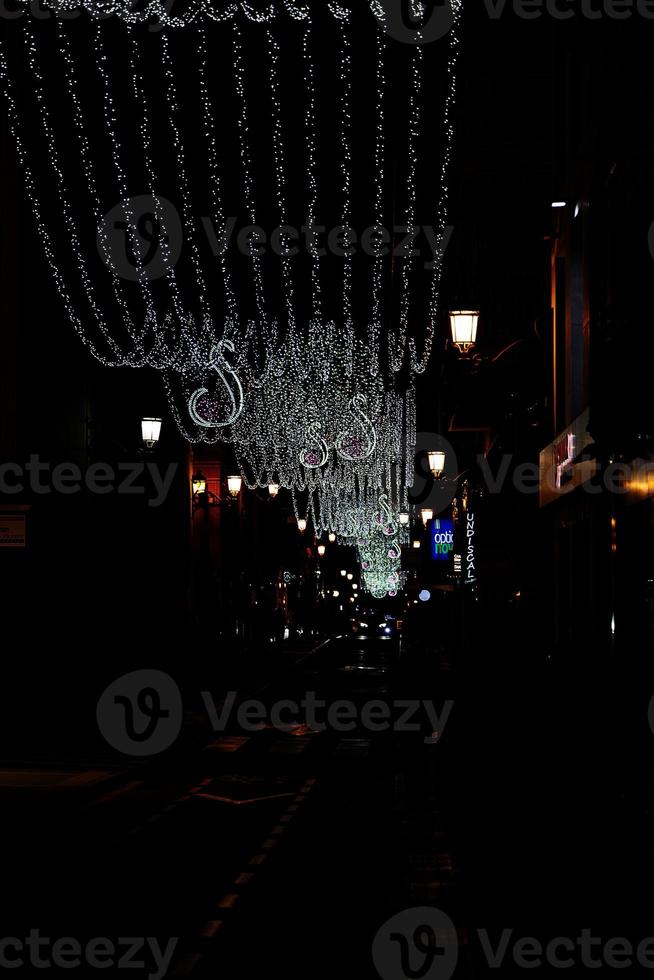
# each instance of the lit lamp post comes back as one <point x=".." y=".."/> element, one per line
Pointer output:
<point x="199" y="484"/>
<point x="203" y="497"/>
<point x="332" y="537"/>
<point x="416" y="544"/>
<point x="436" y="463"/>
<point x="343" y="572"/>
<point x="427" y="515"/>
<point x="273" y="489"/>
<point x="463" y="324"/>
<point x="301" y="525"/>
<point x="321" y="550"/>
<point x="150" y="431"/>
<point x="404" y="518"/>
<point x="234" y="484"/>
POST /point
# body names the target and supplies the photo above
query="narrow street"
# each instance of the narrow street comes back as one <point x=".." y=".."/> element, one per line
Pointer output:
<point x="326" y="488"/>
<point x="244" y="847"/>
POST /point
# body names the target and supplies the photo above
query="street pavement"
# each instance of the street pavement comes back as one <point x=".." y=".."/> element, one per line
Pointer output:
<point x="263" y="851"/>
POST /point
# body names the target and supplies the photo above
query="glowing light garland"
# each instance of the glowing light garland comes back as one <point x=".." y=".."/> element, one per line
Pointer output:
<point x="309" y="404"/>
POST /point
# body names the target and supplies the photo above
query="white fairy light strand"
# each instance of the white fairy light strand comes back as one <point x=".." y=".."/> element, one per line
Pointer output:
<point x="62" y="192"/>
<point x="380" y="159"/>
<point x="244" y="149"/>
<point x="182" y="179"/>
<point x="87" y="165"/>
<point x="35" y="203"/>
<point x="145" y="134"/>
<point x="311" y="143"/>
<point x="111" y="125"/>
<point x="346" y="161"/>
<point x="215" y="179"/>
<point x="155" y="10"/>
<point x="279" y="165"/>
<point x="415" y="86"/>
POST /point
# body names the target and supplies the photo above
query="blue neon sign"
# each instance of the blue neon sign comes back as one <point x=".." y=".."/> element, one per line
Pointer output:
<point x="442" y="538"/>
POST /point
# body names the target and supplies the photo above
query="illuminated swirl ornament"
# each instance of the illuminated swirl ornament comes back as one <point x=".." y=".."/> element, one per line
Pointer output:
<point x="359" y="439"/>
<point x="206" y="409"/>
<point x="385" y="518"/>
<point x="316" y="454"/>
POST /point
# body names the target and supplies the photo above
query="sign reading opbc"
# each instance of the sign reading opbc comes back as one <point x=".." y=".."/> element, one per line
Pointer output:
<point x="442" y="538"/>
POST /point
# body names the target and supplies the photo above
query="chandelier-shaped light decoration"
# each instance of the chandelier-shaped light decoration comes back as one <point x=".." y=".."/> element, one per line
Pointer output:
<point x="173" y="242"/>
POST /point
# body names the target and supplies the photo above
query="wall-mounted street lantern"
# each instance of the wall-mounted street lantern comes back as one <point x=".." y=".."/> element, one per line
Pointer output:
<point x="426" y="515"/>
<point x="234" y="484"/>
<point x="199" y="483"/>
<point x="343" y="572"/>
<point x="301" y="525"/>
<point x="273" y="489"/>
<point x="321" y="550"/>
<point x="436" y="463"/>
<point x="416" y="544"/>
<point x="463" y="324"/>
<point x="150" y="431"/>
<point x="203" y="497"/>
<point x="332" y="537"/>
<point x="404" y="518"/>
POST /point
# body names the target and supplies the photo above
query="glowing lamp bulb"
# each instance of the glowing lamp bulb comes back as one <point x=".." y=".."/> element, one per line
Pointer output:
<point x="234" y="484"/>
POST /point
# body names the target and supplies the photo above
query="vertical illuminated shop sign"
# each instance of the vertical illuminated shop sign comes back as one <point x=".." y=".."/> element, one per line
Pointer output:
<point x="471" y="554"/>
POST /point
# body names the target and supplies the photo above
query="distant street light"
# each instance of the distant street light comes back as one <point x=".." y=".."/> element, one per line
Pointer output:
<point x="332" y="537"/>
<point x="416" y="544"/>
<point x="301" y="525"/>
<point x="404" y="518"/>
<point x="273" y="489"/>
<point x="350" y="576"/>
<point x="427" y="515"/>
<point x="343" y="572"/>
<point x="321" y="550"/>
